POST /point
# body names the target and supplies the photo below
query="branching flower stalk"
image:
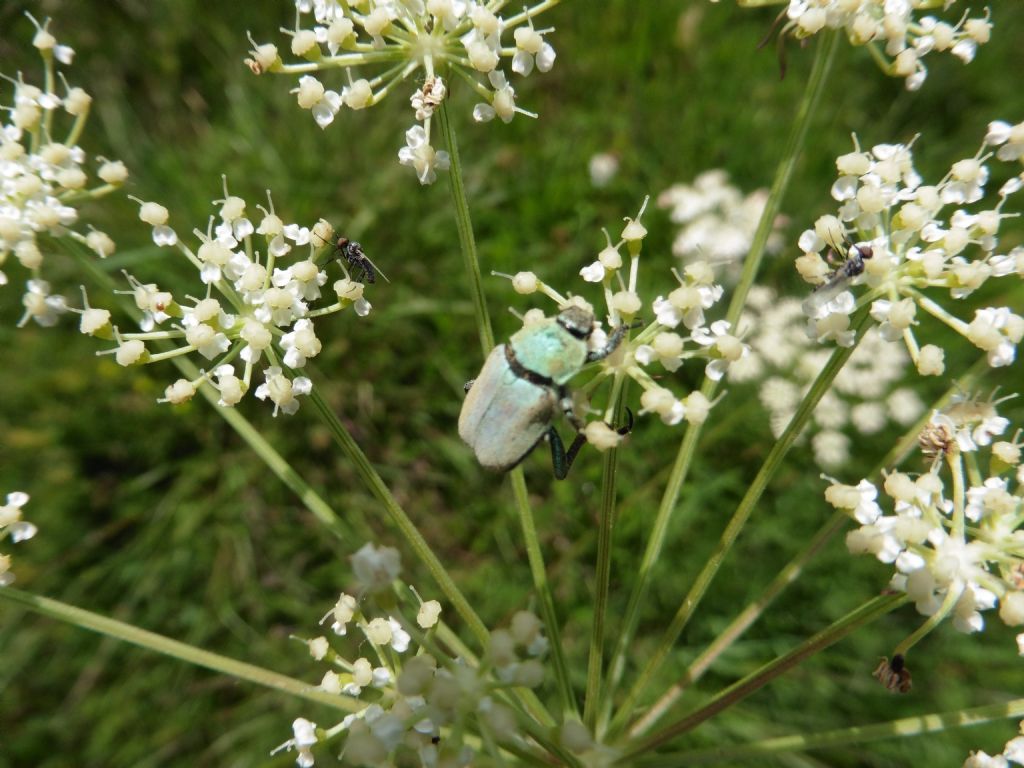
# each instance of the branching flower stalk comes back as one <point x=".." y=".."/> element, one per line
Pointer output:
<point x="772" y="462"/>
<point x="172" y="648"/>
<point x="824" y="56"/>
<point x="792" y="570"/>
<point x="855" y="619"/>
<point x="861" y="734"/>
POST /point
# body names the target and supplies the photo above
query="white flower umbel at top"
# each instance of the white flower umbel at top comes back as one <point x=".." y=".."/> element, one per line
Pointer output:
<point x="381" y="44"/>
<point x="953" y="533"/>
<point x="897" y="242"/>
<point x="897" y="33"/>
<point x="45" y="176"/>
<point x="254" y="307"/>
<point x="676" y="332"/>
<point x="15" y="528"/>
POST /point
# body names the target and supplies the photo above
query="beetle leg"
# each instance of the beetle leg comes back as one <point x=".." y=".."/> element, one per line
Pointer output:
<point x="613" y="342"/>
<point x="561" y="459"/>
<point x="628" y="427"/>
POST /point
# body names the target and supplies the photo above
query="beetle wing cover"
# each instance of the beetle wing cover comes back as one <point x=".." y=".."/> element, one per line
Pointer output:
<point x="503" y="416"/>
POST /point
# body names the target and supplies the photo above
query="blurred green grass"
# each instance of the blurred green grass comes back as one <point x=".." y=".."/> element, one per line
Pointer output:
<point x="161" y="517"/>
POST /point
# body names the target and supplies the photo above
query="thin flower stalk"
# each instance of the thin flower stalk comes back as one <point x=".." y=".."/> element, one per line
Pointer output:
<point x="152" y="641"/>
<point x="375" y="484"/>
<point x="689" y="604"/>
<point x="792" y="570"/>
<point x="905" y="727"/>
<point x="824" y="56"/>
<point x="855" y="619"/>
<point x="540" y="583"/>
<point x="466" y="239"/>
<point x="606" y="527"/>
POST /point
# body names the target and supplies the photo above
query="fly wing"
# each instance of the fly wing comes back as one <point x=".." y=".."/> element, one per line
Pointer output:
<point x="504" y="415"/>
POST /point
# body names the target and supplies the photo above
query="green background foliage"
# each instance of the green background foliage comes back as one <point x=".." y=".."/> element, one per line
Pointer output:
<point x="160" y="516"/>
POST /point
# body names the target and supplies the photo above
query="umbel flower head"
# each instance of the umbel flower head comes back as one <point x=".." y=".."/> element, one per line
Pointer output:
<point x="45" y="176"/>
<point x="864" y="399"/>
<point x="15" y="528"/>
<point x="905" y="240"/>
<point x="679" y="332"/>
<point x="953" y="533"/>
<point x="382" y="44"/>
<point x="253" y="310"/>
<point x="405" y="685"/>
<point x="898" y="33"/>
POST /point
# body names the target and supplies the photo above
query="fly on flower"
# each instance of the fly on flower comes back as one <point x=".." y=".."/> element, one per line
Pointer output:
<point x="838" y="280"/>
<point x="363" y="269"/>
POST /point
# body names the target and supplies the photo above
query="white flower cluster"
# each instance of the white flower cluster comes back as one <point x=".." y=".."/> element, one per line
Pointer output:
<point x="902" y="237"/>
<point x="656" y="344"/>
<point x="12" y="526"/>
<point x="717" y="221"/>
<point x="864" y="397"/>
<point x="410" y="689"/>
<point x="1012" y="754"/>
<point x="254" y="307"/>
<point x="955" y="542"/>
<point x="896" y="35"/>
<point x="382" y="43"/>
<point x="43" y="176"/>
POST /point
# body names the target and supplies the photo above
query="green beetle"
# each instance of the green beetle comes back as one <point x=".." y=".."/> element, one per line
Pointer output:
<point x="511" y="405"/>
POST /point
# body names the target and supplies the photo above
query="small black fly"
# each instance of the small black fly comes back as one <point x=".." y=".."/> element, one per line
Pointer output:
<point x="362" y="268"/>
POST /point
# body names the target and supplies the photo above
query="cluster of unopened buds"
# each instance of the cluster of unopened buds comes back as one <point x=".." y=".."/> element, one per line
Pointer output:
<point x="658" y="343"/>
<point x="14" y="527"/>
<point x="44" y="177"/>
<point x="865" y="396"/>
<point x="412" y="698"/>
<point x="381" y="44"/>
<point x="953" y="533"/>
<point x="903" y="239"/>
<point x="254" y="307"/>
<point x="897" y="36"/>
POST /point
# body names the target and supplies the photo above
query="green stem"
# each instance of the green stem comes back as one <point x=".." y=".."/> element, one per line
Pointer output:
<point x="466" y="240"/>
<point x="486" y="334"/>
<point x="398" y="516"/>
<point x="907" y="726"/>
<point x="741" y="689"/>
<point x="177" y="650"/>
<point x="824" y="56"/>
<point x="746" y="506"/>
<point x="543" y="588"/>
<point x="791" y="572"/>
<point x="606" y="524"/>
